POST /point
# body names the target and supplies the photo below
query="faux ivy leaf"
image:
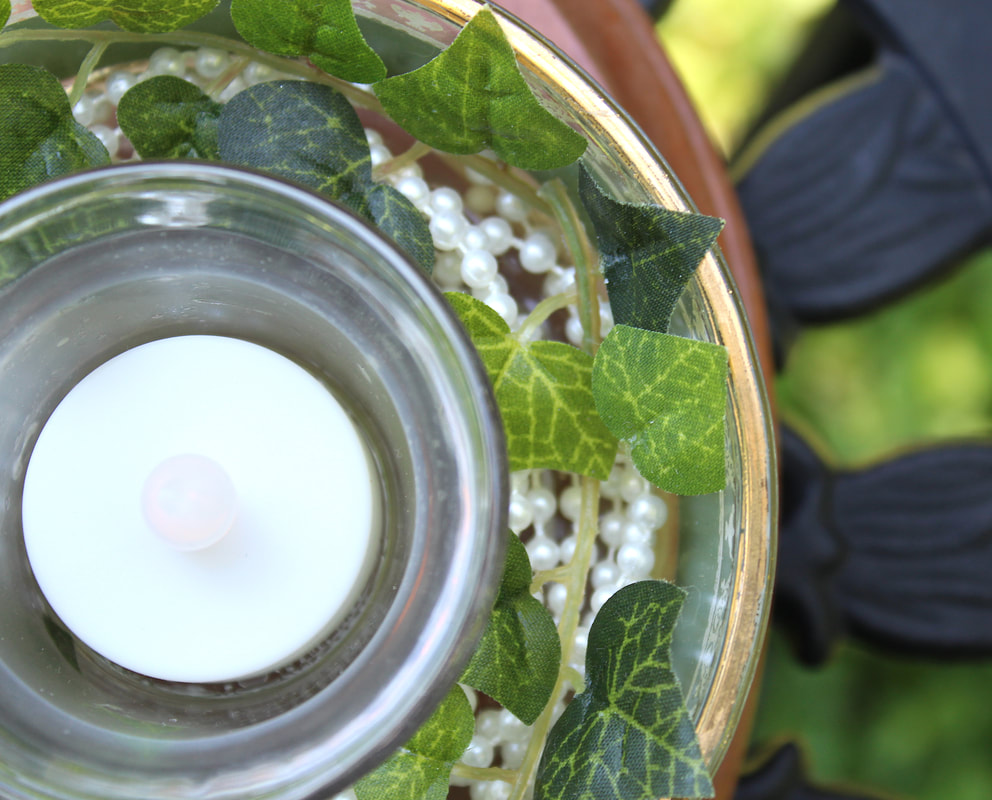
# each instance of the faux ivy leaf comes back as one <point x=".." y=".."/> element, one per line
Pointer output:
<point x="667" y="397"/>
<point x="518" y="657"/>
<point x="306" y="132"/>
<point x="41" y="139"/>
<point x="140" y="16"/>
<point x="421" y="769"/>
<point x="309" y="133"/>
<point x="397" y="217"/>
<point x="4" y="12"/>
<point x="543" y="390"/>
<point x="325" y="31"/>
<point x="648" y="254"/>
<point x="628" y="736"/>
<point x="168" y="117"/>
<point x="472" y="96"/>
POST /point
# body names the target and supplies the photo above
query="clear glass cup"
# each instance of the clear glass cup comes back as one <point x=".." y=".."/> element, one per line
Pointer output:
<point x="100" y="262"/>
<point x="725" y="540"/>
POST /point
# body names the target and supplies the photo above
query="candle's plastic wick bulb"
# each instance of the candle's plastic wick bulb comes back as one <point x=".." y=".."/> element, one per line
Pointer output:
<point x="189" y="501"/>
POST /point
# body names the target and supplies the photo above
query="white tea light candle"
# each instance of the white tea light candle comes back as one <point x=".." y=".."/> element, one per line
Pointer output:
<point x="200" y="509"/>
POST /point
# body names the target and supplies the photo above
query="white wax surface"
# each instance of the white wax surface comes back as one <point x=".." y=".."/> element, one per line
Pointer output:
<point x="304" y="532"/>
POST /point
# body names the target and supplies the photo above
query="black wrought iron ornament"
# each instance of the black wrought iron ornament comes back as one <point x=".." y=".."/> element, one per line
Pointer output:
<point x="781" y="777"/>
<point x="883" y="179"/>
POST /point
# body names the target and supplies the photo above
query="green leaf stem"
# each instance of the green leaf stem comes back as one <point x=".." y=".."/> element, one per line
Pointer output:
<point x="544" y="394"/>
<point x="421" y="769"/>
<point x="309" y="133"/>
<point x="648" y="254"/>
<point x="139" y="16"/>
<point x="168" y="117"/>
<point x="325" y="31"/>
<point x="667" y="397"/>
<point x="472" y="96"/>
<point x="41" y="139"/>
<point x="628" y="736"/>
<point x="518" y="657"/>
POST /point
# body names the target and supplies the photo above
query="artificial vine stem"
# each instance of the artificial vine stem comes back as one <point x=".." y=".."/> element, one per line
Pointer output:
<point x="411" y="155"/>
<point x="543" y="310"/>
<point x="575" y="585"/>
<point x="584" y="257"/>
<point x="85" y="70"/>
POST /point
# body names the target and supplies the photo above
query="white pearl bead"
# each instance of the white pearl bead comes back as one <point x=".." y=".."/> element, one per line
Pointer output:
<point x="446" y="199"/>
<point x="479" y="752"/>
<point x="570" y="502"/>
<point x="447" y="228"/>
<point x="373" y="137"/>
<point x="580" y="643"/>
<point x="85" y="109"/>
<point x="605" y="318"/>
<point x="611" y="528"/>
<point x="478" y="268"/>
<point x="499" y="233"/>
<point x="475" y="239"/>
<point x="380" y="154"/>
<point x="610" y="488"/>
<point x="521" y="512"/>
<point x="487" y="724"/>
<point x="632" y="485"/>
<point x="649" y="510"/>
<point x="210" y="63"/>
<point x="537" y="253"/>
<point x="635" y="560"/>
<point x="510" y="206"/>
<point x="600" y="596"/>
<point x="604" y="573"/>
<point x="500" y="790"/>
<point x="448" y="269"/>
<point x="567" y="549"/>
<point x="347" y="794"/>
<point x="512" y="729"/>
<point x="559" y="280"/>
<point x="471" y="696"/>
<point x="574" y="331"/>
<point x="167" y="61"/>
<point x="259" y="73"/>
<point x="414" y="189"/>
<point x="544" y="504"/>
<point x="557" y="597"/>
<point x="638" y="533"/>
<point x="504" y="305"/>
<point x="117" y="84"/>
<point x="512" y="754"/>
<point x="110" y="137"/>
<point x="543" y="552"/>
<point x="410" y="171"/>
<point x="480" y="199"/>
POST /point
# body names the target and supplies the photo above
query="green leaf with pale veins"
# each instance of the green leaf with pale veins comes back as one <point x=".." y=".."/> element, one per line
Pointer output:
<point x="168" y="117"/>
<point x="421" y="769"/>
<point x="667" y="397"/>
<point x="140" y="16"/>
<point x="399" y="219"/>
<point x="648" y="254"/>
<point x="543" y="390"/>
<point x="518" y="658"/>
<point x="306" y="132"/>
<point x="324" y="31"/>
<point x="472" y="96"/>
<point x="628" y="736"/>
<point x="309" y="133"/>
<point x="41" y="139"/>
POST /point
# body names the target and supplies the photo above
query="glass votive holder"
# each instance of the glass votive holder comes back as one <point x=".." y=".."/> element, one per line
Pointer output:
<point x="102" y="262"/>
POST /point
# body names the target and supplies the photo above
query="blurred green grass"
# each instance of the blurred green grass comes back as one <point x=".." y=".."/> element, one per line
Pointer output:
<point x="915" y="372"/>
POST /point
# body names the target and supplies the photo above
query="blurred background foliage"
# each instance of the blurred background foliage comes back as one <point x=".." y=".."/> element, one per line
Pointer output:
<point x="917" y="371"/>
